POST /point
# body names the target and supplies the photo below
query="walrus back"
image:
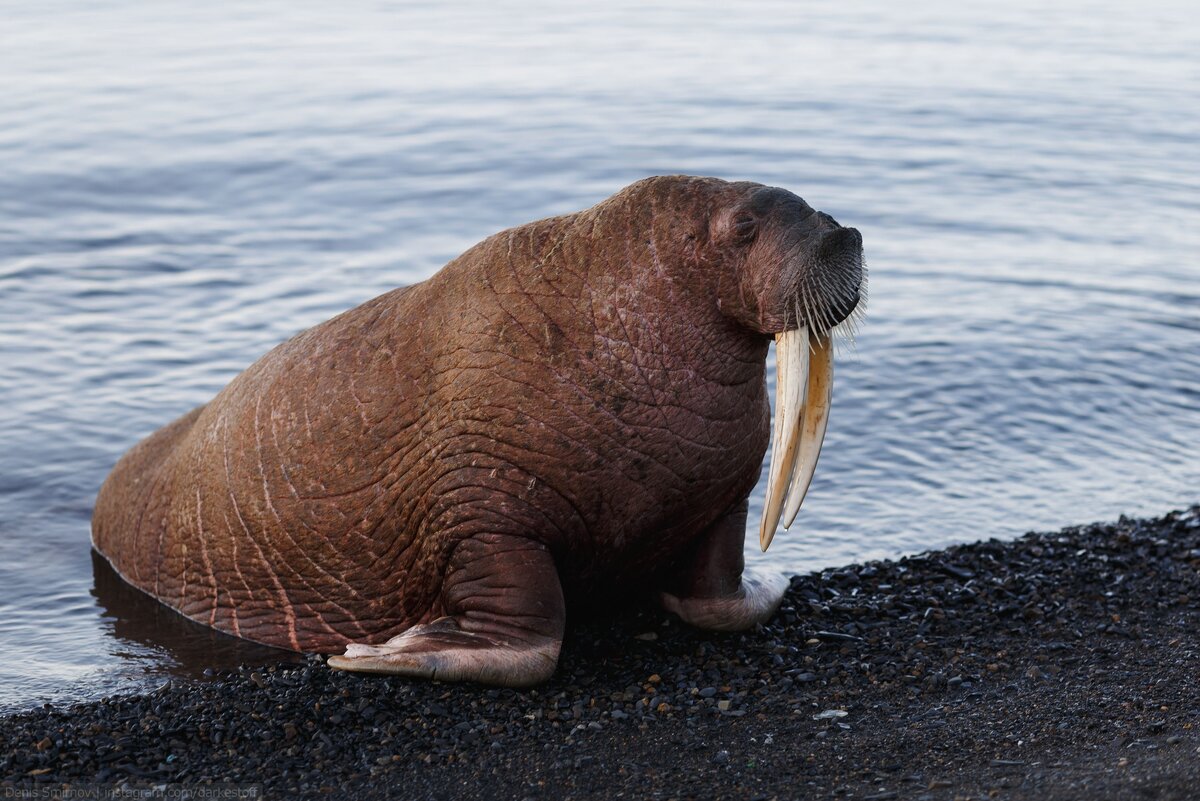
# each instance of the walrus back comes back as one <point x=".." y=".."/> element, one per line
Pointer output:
<point x="271" y="513"/>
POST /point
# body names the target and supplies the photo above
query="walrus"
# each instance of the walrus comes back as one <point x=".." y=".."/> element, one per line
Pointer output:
<point x="573" y="408"/>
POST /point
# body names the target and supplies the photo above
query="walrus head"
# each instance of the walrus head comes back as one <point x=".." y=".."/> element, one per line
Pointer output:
<point x="793" y="272"/>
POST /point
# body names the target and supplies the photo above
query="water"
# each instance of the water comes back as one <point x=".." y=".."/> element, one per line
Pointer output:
<point x="182" y="186"/>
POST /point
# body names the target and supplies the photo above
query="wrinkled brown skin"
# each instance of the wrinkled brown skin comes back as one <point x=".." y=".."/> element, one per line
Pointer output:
<point x="579" y="402"/>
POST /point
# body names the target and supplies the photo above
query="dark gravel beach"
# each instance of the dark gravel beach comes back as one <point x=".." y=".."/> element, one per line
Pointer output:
<point x="1060" y="665"/>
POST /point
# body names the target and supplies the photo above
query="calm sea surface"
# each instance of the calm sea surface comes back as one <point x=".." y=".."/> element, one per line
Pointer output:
<point x="184" y="185"/>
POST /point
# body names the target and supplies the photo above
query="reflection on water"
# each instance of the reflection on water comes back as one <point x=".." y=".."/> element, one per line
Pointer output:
<point x="160" y="637"/>
<point x="184" y="186"/>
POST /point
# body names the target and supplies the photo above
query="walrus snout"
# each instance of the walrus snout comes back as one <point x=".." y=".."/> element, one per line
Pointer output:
<point x="822" y="284"/>
<point x="839" y="259"/>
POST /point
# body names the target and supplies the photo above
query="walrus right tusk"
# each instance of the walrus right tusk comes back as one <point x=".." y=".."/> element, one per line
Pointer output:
<point x="814" y="420"/>
<point x="799" y="424"/>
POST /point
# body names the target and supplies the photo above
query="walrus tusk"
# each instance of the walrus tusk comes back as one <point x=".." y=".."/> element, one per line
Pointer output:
<point x="791" y="380"/>
<point x="799" y="426"/>
<point x="814" y="421"/>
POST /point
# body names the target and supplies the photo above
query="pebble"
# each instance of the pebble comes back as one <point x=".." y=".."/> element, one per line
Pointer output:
<point x="830" y="714"/>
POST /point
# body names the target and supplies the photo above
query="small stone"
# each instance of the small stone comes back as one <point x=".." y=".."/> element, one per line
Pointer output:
<point x="721" y="758"/>
<point x="258" y="679"/>
<point x="831" y="714"/>
<point x="957" y="572"/>
<point x="45" y="744"/>
<point x="724" y="705"/>
<point x="648" y="636"/>
<point x="708" y="692"/>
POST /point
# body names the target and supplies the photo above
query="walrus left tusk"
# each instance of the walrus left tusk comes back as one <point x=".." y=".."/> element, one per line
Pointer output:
<point x="814" y="421"/>
<point x="791" y="380"/>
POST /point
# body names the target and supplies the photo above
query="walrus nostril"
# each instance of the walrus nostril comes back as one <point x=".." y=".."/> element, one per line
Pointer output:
<point x="837" y="244"/>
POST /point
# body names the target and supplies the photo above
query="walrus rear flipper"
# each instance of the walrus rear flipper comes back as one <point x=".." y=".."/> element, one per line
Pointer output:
<point x="505" y="624"/>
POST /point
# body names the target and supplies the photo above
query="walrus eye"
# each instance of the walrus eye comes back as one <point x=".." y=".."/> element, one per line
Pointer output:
<point x="745" y="228"/>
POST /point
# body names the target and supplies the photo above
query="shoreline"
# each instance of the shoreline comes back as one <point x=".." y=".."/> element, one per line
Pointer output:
<point x="1058" y="665"/>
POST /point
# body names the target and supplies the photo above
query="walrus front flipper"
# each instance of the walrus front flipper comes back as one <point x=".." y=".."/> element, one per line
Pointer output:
<point x="505" y="625"/>
<point x="713" y="589"/>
